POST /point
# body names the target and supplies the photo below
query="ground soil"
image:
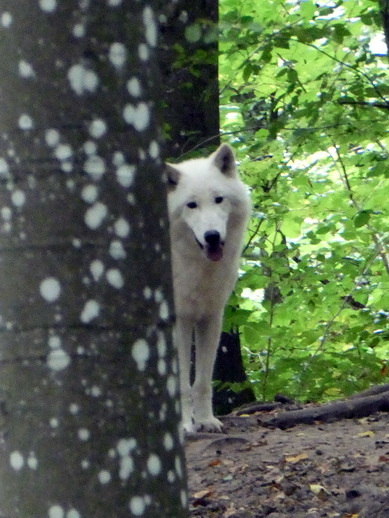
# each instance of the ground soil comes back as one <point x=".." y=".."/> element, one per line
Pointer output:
<point x="333" y="469"/>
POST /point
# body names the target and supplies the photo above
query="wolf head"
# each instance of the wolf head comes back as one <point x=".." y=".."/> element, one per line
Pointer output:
<point x="206" y="197"/>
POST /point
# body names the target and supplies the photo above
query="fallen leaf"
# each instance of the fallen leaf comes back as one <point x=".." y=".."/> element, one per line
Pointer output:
<point x="319" y="491"/>
<point x="254" y="444"/>
<point x="369" y="433"/>
<point x="296" y="458"/>
<point x="317" y="488"/>
<point x="203" y="494"/>
<point x="231" y="511"/>
<point x="243" y="468"/>
<point x="214" y="463"/>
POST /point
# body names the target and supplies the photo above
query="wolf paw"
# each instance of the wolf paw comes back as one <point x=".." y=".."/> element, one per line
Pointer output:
<point x="209" y="425"/>
<point x="188" y="427"/>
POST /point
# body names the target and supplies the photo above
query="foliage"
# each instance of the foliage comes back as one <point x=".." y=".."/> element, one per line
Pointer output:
<point x="305" y="100"/>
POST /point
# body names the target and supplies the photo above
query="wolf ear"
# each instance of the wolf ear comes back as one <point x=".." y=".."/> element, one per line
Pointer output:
<point x="172" y="175"/>
<point x="225" y="160"/>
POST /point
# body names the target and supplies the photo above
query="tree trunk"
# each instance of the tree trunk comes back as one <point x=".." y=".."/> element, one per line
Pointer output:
<point x="89" y="407"/>
<point x="229" y="368"/>
<point x="188" y="56"/>
<point x="384" y="4"/>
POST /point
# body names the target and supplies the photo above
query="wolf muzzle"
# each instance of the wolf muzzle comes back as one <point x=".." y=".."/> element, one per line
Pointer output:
<point x="214" y="245"/>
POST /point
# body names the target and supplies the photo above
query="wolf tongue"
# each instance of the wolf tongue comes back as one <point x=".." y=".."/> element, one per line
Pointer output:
<point x="214" y="253"/>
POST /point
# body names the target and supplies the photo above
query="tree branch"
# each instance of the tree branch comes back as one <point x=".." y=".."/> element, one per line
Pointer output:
<point x="355" y="70"/>
<point x="381" y="106"/>
<point x="378" y="245"/>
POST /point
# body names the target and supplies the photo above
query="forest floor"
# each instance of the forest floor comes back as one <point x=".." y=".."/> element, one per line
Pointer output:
<point x="334" y="469"/>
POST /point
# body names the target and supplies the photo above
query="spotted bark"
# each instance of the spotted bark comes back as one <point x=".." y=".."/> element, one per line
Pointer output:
<point x="89" y="405"/>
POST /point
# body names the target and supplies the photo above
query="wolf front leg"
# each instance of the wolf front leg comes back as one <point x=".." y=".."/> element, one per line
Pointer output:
<point x="207" y="333"/>
<point x="182" y="334"/>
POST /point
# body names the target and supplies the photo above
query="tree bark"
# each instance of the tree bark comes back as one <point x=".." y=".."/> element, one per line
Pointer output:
<point x="228" y="369"/>
<point x="89" y="406"/>
<point x="188" y="55"/>
<point x="384" y="4"/>
<point x="365" y="403"/>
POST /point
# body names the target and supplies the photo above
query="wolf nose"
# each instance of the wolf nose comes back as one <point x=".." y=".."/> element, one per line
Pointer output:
<point x="212" y="237"/>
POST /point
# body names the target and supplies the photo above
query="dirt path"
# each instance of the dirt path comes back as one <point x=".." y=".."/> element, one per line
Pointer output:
<point x="338" y="469"/>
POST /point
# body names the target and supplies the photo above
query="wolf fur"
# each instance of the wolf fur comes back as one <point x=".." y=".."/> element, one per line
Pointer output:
<point x="208" y="212"/>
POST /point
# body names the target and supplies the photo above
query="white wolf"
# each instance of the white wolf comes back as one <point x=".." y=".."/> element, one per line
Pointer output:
<point x="208" y="211"/>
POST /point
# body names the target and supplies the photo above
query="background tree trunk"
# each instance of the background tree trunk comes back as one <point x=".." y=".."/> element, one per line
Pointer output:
<point x="188" y="56"/>
<point x="384" y="4"/>
<point x="89" y="401"/>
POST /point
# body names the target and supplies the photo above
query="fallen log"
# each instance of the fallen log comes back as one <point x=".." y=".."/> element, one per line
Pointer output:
<point x="355" y="407"/>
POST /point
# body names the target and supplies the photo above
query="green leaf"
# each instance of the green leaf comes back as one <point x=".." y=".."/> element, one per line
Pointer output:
<point x="247" y="71"/>
<point x="262" y="133"/>
<point x="340" y="31"/>
<point x="362" y="218"/>
<point x="255" y="331"/>
<point x="282" y="41"/>
<point x="307" y="9"/>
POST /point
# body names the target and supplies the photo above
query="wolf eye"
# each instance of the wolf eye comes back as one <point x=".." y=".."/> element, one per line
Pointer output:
<point x="191" y="205"/>
<point x="219" y="199"/>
